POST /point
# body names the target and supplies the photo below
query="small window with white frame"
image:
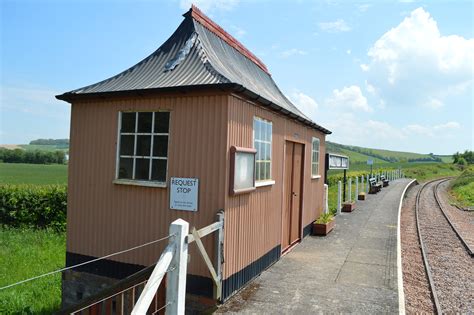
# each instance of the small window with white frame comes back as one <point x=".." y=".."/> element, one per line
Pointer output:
<point x="143" y="146"/>
<point x="262" y="142"/>
<point x="315" y="158"/>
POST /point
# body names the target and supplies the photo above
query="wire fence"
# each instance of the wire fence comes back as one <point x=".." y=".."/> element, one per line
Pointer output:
<point x="87" y="262"/>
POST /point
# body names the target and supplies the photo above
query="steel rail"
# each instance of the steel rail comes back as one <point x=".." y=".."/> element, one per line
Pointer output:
<point x="423" y="251"/>
<point x="469" y="249"/>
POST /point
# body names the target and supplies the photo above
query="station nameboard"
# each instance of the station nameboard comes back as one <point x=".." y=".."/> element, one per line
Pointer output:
<point x="184" y="194"/>
<point x="338" y="162"/>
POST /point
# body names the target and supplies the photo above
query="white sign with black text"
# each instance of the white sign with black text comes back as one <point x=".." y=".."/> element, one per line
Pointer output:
<point x="184" y="194"/>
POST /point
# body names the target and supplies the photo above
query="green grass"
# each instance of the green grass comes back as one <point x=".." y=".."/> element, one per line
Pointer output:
<point x="361" y="154"/>
<point x="26" y="253"/>
<point x="462" y="188"/>
<point x="36" y="174"/>
<point x="421" y="171"/>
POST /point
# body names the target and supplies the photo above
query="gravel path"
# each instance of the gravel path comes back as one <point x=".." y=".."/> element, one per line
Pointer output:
<point x="463" y="220"/>
<point x="415" y="280"/>
<point x="451" y="266"/>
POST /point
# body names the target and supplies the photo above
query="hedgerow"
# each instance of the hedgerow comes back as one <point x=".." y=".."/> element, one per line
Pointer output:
<point x="33" y="206"/>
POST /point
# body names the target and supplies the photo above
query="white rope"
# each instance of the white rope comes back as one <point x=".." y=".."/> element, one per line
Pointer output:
<point x="86" y="262"/>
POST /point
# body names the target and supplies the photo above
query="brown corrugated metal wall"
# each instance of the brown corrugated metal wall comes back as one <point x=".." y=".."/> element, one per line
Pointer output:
<point x="104" y="217"/>
<point x="253" y="221"/>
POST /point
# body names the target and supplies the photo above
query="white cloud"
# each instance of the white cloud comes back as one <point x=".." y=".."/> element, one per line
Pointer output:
<point x="336" y="26"/>
<point x="434" y="103"/>
<point x="349" y="97"/>
<point x="237" y="32"/>
<point x="348" y="51"/>
<point x="432" y="131"/>
<point x="370" y="88"/>
<point x="414" y="64"/>
<point x="293" y="52"/>
<point x="448" y="125"/>
<point x="363" y="7"/>
<point x="305" y="103"/>
<point x="36" y="101"/>
<point x="209" y="5"/>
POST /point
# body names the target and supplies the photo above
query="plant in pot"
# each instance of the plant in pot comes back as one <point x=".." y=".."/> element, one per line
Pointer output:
<point x="361" y="196"/>
<point x="324" y="224"/>
<point x="348" y="206"/>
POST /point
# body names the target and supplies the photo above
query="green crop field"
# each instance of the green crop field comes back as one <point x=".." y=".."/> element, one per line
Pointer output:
<point x="26" y="253"/>
<point x="37" y="174"/>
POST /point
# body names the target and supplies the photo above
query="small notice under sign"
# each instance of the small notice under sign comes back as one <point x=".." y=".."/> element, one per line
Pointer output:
<point x="184" y="194"/>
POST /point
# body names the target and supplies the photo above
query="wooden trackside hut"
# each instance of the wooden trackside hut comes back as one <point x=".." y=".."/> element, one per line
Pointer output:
<point x="184" y="112"/>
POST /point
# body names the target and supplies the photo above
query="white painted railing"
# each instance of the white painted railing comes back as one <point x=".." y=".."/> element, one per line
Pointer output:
<point x="173" y="262"/>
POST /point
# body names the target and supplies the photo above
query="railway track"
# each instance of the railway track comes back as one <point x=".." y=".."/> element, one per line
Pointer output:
<point x="447" y="257"/>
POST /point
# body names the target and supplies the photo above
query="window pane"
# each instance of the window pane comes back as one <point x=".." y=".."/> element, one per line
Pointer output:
<point x="128" y="122"/>
<point x="144" y="122"/>
<point x="313" y="158"/>
<point x="267" y="152"/>
<point x="262" y="170"/>
<point x="160" y="146"/>
<point x="313" y="169"/>
<point x="142" y="168"/>
<point x="125" y="168"/>
<point x="257" y="171"/>
<point x="143" y="145"/>
<point x="259" y="129"/>
<point x="126" y="145"/>
<point x="268" y="131"/>
<point x="244" y="170"/>
<point x="162" y="122"/>
<point x="317" y="169"/>
<point x="158" y="170"/>
<point x="267" y="170"/>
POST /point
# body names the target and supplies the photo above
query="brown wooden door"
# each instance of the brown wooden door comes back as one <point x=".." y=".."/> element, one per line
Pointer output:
<point x="293" y="194"/>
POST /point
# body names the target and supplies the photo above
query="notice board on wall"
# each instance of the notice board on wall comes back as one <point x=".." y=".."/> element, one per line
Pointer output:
<point x="184" y="193"/>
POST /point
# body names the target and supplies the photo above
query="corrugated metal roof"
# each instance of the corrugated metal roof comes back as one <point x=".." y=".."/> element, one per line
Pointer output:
<point x="199" y="53"/>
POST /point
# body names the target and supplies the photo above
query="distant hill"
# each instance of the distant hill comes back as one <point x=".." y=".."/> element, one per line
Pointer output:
<point x="361" y="155"/>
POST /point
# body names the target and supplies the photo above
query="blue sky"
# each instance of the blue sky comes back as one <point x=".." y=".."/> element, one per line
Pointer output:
<point x="395" y="75"/>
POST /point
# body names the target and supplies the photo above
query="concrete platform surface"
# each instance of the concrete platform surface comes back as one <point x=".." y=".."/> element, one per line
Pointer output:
<point x="352" y="270"/>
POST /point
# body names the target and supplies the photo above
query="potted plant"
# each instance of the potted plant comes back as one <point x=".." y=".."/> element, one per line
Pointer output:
<point x="324" y="224"/>
<point x="348" y="206"/>
<point x="361" y="196"/>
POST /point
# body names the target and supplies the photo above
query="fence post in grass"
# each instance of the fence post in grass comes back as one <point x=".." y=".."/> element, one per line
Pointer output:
<point x="339" y="196"/>
<point x="357" y="189"/>
<point x="176" y="279"/>
<point x="367" y="185"/>
<point x="326" y="204"/>
<point x="350" y="189"/>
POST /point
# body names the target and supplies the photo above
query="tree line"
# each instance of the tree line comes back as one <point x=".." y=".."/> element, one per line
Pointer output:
<point x="57" y="142"/>
<point x="463" y="158"/>
<point x="32" y="156"/>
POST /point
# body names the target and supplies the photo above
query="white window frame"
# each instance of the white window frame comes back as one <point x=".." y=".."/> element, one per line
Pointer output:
<point x="313" y="162"/>
<point x="141" y="182"/>
<point x="268" y="180"/>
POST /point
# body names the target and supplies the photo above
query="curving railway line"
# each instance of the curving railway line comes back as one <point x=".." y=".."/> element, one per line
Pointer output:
<point x="447" y="257"/>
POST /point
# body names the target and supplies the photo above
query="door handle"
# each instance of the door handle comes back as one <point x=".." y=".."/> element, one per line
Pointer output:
<point x="294" y="194"/>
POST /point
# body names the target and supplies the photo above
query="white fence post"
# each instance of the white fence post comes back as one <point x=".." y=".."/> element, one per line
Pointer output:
<point x="357" y="189"/>
<point x="326" y="204"/>
<point x="176" y="279"/>
<point x="219" y="254"/>
<point x="339" y="196"/>
<point x="367" y="184"/>
<point x="350" y="189"/>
